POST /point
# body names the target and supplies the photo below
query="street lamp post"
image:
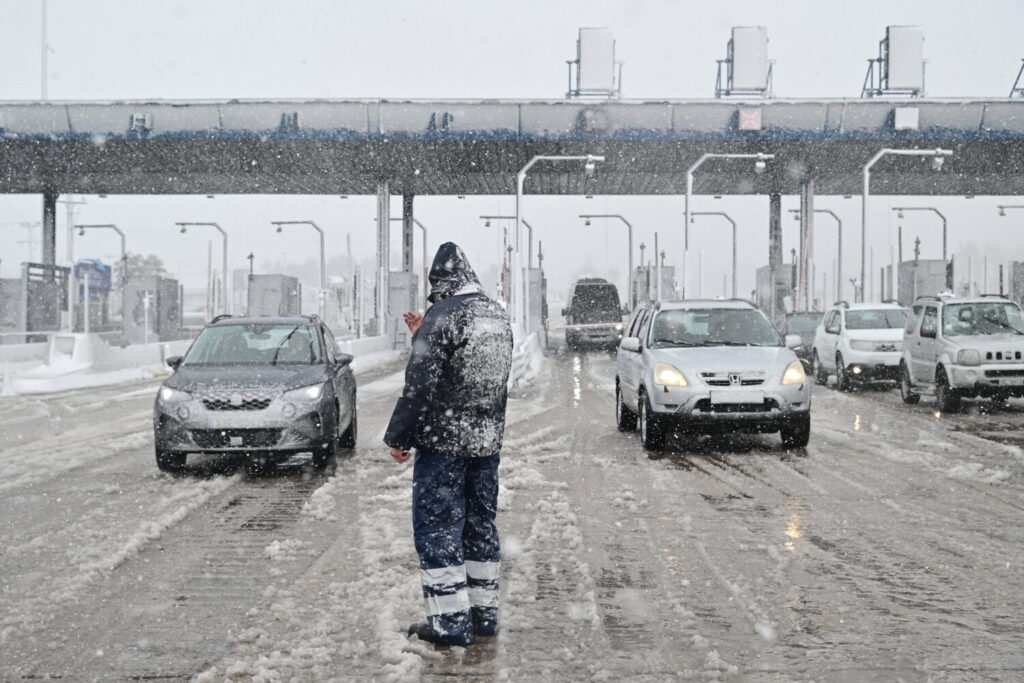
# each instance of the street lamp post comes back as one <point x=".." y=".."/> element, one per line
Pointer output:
<point x="521" y="309"/>
<point x="224" y="260"/>
<point x="124" y="255"/>
<point x="901" y="209"/>
<point x="839" y="247"/>
<point x="629" y="271"/>
<point x="759" y="167"/>
<point x="726" y="216"/>
<point x="937" y="158"/>
<point x="529" y="234"/>
<point x="322" y="299"/>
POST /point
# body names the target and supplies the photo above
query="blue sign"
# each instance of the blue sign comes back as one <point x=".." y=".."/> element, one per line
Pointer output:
<point x="98" y="274"/>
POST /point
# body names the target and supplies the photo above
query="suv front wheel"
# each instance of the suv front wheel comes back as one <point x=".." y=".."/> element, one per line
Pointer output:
<point x="652" y="435"/>
<point x="843" y="381"/>
<point x="946" y="396"/>
<point x="625" y="419"/>
<point x="797" y="433"/>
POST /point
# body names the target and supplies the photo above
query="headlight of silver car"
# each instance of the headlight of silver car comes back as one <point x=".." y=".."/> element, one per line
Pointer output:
<point x="968" y="357"/>
<point x="169" y="395"/>
<point x="667" y="376"/>
<point x="861" y="345"/>
<point x="794" y="373"/>
<point x="310" y="393"/>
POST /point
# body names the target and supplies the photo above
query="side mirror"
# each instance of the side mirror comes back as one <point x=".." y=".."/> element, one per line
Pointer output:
<point x="344" y="359"/>
<point x="174" y="361"/>
<point x="793" y="341"/>
<point x="565" y="312"/>
<point x="630" y="344"/>
<point x="832" y="330"/>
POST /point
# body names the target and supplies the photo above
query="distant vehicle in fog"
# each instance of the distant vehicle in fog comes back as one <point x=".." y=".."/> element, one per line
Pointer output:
<point x="594" y="315"/>
<point x="963" y="348"/>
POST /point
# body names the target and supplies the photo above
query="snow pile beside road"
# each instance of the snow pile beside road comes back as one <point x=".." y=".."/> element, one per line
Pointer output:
<point x="975" y="471"/>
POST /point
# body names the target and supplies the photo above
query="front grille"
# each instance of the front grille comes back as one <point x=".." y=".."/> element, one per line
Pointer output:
<point x="1003" y="355"/>
<point x="887" y="346"/>
<point x="242" y="399"/>
<point x="221" y="438"/>
<point x="725" y="379"/>
<point x="1004" y="373"/>
<point x="706" y="406"/>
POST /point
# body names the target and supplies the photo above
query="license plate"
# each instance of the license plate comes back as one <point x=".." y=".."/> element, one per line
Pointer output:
<point x="235" y="440"/>
<point x="1014" y="382"/>
<point x="737" y="396"/>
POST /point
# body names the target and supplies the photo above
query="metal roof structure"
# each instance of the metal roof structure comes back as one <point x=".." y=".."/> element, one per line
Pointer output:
<point x="452" y="147"/>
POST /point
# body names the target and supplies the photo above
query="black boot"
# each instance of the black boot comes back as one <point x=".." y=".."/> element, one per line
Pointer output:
<point x="429" y="635"/>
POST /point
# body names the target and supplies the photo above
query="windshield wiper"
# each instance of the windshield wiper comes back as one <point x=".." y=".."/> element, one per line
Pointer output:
<point x="280" y="346"/>
<point x="723" y="342"/>
<point x="677" y="342"/>
<point x="1005" y="326"/>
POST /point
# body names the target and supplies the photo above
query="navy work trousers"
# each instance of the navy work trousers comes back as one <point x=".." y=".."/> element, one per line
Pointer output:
<point x="454" y="503"/>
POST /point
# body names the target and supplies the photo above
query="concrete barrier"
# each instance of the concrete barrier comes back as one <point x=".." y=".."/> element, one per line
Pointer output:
<point x="366" y="345"/>
<point x="526" y="360"/>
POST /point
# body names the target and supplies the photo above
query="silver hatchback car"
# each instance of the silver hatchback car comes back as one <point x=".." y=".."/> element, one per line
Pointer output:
<point x="709" y="366"/>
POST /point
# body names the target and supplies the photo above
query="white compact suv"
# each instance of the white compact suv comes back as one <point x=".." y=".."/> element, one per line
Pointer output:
<point x="858" y="342"/>
<point x="709" y="366"/>
<point x="960" y="347"/>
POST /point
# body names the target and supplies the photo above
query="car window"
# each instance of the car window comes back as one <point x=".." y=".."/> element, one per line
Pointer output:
<point x="644" y="325"/>
<point x="876" y="319"/>
<point x="256" y="344"/>
<point x="929" y="323"/>
<point x="330" y="343"/>
<point x="713" y="327"/>
<point x="634" y="324"/>
<point x="981" y="318"/>
<point x="832" y="322"/>
<point x="913" y="319"/>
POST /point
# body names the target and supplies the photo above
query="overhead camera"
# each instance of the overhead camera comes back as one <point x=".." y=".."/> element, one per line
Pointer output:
<point x="937" y="162"/>
<point x="589" y="168"/>
<point x="760" y="166"/>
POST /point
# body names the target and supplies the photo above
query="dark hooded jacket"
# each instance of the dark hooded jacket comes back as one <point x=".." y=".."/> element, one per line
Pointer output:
<point x="456" y="381"/>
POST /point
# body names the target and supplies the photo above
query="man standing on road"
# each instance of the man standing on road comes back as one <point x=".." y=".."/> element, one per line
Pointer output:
<point x="452" y="411"/>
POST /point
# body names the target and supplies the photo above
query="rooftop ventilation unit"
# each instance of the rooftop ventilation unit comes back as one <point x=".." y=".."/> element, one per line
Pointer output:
<point x="1017" y="89"/>
<point x="899" y="67"/>
<point x="597" y="72"/>
<point x="748" y="71"/>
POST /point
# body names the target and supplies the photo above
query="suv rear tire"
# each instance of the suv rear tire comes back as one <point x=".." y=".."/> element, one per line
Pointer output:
<point x="797" y="433"/>
<point x="348" y="437"/>
<point x="907" y="393"/>
<point x="625" y="419"/>
<point x="947" y="397"/>
<point x="820" y="374"/>
<point x="652" y="435"/>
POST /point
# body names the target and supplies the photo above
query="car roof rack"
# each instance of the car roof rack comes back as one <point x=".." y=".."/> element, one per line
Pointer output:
<point x="843" y="302"/>
<point x="927" y="297"/>
<point x="222" y="316"/>
<point x="995" y="296"/>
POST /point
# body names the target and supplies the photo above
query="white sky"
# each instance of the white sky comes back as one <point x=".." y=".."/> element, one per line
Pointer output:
<point x="119" y="49"/>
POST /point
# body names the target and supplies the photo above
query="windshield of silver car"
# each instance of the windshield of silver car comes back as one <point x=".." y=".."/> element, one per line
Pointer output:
<point x="713" y="327"/>
<point x="255" y="344"/>
<point x="981" y="318"/>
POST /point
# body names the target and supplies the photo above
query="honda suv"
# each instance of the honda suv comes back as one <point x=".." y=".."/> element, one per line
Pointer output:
<point x="960" y="347"/>
<point x="265" y="388"/>
<point x="858" y="342"/>
<point x="709" y="366"/>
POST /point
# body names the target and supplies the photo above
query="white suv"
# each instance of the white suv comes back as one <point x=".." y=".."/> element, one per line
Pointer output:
<point x="858" y="342"/>
<point x="959" y="347"/>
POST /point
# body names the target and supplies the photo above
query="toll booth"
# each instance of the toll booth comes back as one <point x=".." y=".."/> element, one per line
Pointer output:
<point x="403" y="295"/>
<point x="33" y="302"/>
<point x="645" y="284"/>
<point x="97" y="303"/>
<point x="773" y="300"/>
<point x="152" y="310"/>
<point x="921" y="278"/>
<point x="271" y="294"/>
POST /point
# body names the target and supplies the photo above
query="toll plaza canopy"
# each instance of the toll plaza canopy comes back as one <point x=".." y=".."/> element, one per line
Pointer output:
<point x="450" y="147"/>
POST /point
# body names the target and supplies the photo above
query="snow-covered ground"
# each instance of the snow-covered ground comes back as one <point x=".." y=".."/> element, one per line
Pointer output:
<point x="890" y="549"/>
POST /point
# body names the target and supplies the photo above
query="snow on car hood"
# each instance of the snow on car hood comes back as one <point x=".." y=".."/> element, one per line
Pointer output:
<point x="277" y="377"/>
<point x="726" y="358"/>
<point x="888" y="335"/>
<point x="989" y="342"/>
